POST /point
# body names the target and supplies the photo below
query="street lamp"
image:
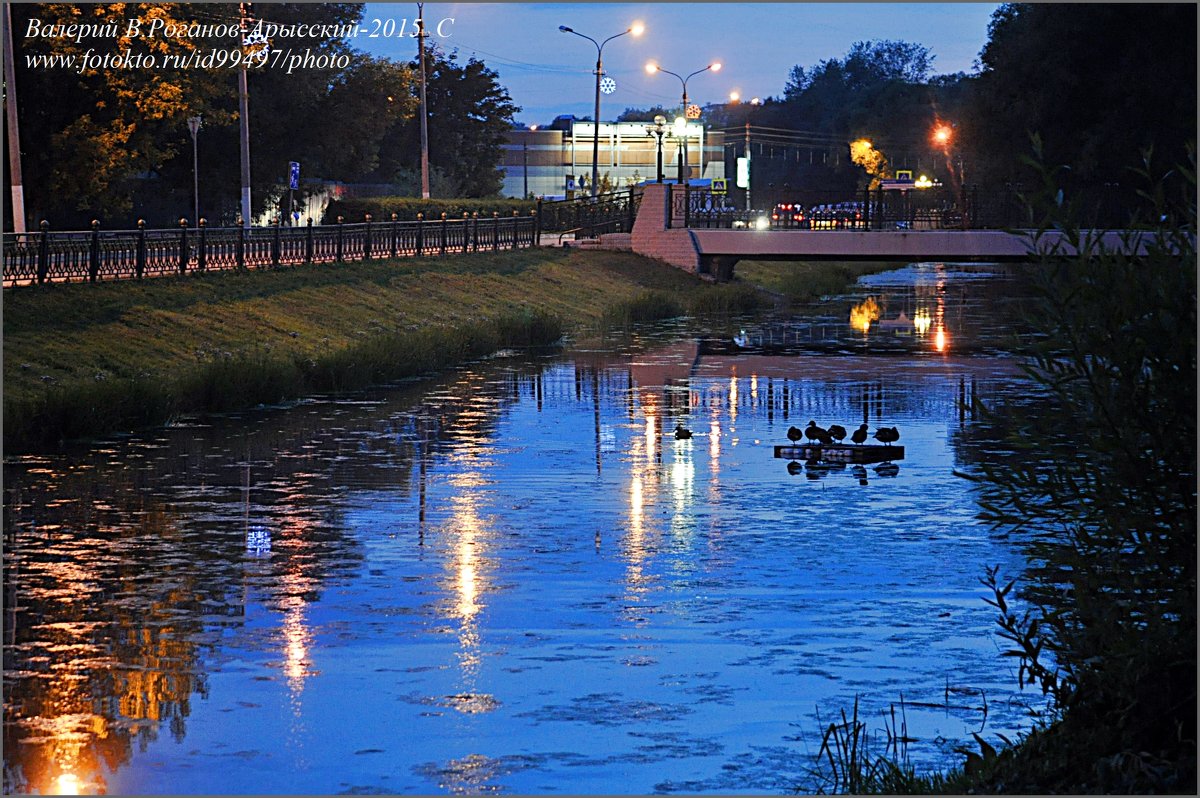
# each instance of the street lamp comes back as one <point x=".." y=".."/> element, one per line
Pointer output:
<point x="652" y="68"/>
<point x="194" y="127"/>
<point x="658" y="130"/>
<point x="680" y="131"/>
<point x="525" y="160"/>
<point x="636" y="29"/>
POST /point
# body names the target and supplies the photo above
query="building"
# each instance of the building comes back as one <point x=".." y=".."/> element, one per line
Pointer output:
<point x="557" y="161"/>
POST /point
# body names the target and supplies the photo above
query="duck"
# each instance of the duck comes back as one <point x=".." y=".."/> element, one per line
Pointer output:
<point x="815" y="433"/>
<point x="682" y="433"/>
<point x="837" y="432"/>
<point x="887" y="435"/>
<point x="859" y="435"/>
<point x="795" y="434"/>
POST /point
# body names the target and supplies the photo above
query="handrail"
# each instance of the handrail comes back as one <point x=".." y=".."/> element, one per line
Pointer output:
<point x="46" y="256"/>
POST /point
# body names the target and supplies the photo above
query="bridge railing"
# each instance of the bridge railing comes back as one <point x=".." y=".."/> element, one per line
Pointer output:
<point x="613" y="212"/>
<point x="90" y="256"/>
<point x="942" y="208"/>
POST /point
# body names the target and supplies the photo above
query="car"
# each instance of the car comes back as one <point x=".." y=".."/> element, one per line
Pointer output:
<point x="837" y="216"/>
<point x="788" y="214"/>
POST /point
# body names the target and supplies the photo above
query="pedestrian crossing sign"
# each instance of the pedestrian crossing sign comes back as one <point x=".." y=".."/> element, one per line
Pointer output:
<point x="719" y="185"/>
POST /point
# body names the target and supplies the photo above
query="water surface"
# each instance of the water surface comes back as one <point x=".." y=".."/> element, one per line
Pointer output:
<point x="515" y="578"/>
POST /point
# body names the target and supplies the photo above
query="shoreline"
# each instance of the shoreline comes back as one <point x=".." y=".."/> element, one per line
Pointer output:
<point x="88" y="360"/>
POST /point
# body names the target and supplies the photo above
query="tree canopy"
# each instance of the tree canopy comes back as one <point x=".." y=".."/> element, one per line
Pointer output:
<point x="1097" y="82"/>
<point x="114" y="144"/>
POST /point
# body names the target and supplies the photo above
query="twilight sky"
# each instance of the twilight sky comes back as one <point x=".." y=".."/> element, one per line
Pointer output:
<point x="549" y="73"/>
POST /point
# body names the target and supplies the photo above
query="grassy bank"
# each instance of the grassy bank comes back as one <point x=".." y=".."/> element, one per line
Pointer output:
<point x="82" y="359"/>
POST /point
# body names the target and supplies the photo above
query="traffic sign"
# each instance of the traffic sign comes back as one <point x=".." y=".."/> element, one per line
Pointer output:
<point x="293" y="174"/>
<point x="719" y="185"/>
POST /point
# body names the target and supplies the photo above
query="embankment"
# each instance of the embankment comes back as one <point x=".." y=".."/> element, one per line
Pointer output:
<point x="82" y="360"/>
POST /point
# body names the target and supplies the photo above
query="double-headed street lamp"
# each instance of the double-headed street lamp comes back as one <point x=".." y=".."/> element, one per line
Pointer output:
<point x="636" y="29"/>
<point x="653" y="68"/>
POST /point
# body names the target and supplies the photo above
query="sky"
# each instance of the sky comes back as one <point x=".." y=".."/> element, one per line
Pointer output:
<point x="548" y="72"/>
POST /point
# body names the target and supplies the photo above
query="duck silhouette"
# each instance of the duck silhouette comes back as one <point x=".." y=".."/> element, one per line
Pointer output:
<point x="887" y="469"/>
<point x="815" y="433"/>
<point x="837" y="432"/>
<point x="682" y="433"/>
<point x="887" y="435"/>
<point x="859" y="435"/>
<point x="794" y="467"/>
<point x="794" y="434"/>
<point x="814" y="469"/>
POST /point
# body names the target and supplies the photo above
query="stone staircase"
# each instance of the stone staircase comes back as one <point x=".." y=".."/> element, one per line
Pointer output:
<point x="617" y="242"/>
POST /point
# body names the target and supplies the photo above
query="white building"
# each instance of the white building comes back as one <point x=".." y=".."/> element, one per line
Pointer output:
<point x="555" y="161"/>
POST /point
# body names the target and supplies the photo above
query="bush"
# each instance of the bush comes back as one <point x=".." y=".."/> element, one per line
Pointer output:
<point x="407" y="208"/>
<point x="1107" y="485"/>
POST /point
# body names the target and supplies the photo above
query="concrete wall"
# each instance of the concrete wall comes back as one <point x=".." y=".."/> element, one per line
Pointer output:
<point x="652" y="238"/>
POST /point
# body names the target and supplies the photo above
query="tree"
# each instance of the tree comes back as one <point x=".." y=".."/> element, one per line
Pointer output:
<point x="645" y="114"/>
<point x="1098" y="82"/>
<point x="470" y="117"/>
<point x="114" y="144"/>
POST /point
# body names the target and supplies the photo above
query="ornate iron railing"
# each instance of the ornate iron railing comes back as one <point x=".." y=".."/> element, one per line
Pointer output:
<point x="613" y="212"/>
<point x="83" y="256"/>
<point x="943" y="208"/>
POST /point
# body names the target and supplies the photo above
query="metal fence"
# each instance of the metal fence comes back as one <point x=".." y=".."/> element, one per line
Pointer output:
<point x="90" y="256"/>
<point x="613" y="212"/>
<point x="968" y="208"/>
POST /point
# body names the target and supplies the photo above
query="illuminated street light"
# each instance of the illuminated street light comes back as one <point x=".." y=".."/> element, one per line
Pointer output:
<point x="658" y="130"/>
<point x="636" y="29"/>
<point x="653" y="68"/>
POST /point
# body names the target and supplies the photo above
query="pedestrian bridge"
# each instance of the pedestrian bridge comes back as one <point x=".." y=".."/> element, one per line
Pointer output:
<point x="714" y="252"/>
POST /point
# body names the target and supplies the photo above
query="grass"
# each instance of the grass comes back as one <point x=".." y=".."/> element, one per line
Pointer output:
<point x="81" y="360"/>
<point x="802" y="282"/>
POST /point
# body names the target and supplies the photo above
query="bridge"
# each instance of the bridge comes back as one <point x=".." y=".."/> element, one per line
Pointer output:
<point x="662" y="231"/>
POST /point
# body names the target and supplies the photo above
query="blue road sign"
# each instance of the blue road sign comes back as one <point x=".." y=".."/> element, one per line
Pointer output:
<point x="294" y="174"/>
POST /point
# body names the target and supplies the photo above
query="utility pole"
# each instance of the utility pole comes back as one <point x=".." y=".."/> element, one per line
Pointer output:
<point x="14" y="139"/>
<point x="424" y="108"/>
<point x="244" y="119"/>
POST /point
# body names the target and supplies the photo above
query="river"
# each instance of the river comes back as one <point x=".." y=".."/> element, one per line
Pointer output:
<point x="515" y="579"/>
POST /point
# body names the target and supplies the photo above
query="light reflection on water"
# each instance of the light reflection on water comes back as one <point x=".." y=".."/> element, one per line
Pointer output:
<point x="516" y="578"/>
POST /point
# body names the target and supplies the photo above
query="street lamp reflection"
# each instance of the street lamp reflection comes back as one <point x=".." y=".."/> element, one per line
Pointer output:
<point x="922" y="321"/>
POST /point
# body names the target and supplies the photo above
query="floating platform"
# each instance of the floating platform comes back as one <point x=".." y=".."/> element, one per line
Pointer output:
<point x="840" y="453"/>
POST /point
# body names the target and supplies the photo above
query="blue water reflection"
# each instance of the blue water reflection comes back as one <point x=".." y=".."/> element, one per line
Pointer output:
<point x="517" y="579"/>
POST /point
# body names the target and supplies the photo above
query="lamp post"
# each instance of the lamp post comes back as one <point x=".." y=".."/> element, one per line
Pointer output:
<point x="653" y="68"/>
<point x="679" y="129"/>
<point x="636" y="29"/>
<point x="943" y="136"/>
<point x="194" y="128"/>
<point x="658" y="130"/>
<point x="525" y="160"/>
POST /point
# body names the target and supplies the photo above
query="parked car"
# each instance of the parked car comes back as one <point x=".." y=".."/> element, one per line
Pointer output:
<point x="837" y="216"/>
